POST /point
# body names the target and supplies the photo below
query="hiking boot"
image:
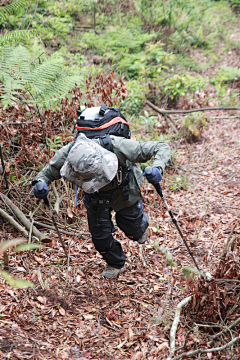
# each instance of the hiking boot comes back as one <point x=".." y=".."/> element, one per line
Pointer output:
<point x="143" y="239"/>
<point x="110" y="272"/>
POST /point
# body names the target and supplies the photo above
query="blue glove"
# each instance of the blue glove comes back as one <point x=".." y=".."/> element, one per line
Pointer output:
<point x="40" y="190"/>
<point x="155" y="177"/>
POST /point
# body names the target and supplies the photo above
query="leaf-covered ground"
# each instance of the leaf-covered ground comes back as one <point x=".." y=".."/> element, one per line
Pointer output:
<point x="73" y="313"/>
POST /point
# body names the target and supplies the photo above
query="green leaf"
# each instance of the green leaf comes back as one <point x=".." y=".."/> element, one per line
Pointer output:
<point x="168" y="255"/>
<point x="10" y="243"/>
<point x="25" y="247"/>
<point x="16" y="283"/>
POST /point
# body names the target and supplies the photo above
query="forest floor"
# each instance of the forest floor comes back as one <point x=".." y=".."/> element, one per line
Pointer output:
<point x="73" y="313"/>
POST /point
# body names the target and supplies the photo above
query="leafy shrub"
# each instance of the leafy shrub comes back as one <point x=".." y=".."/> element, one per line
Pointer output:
<point x="177" y="85"/>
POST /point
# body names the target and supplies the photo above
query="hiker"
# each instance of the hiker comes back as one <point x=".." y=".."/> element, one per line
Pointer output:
<point x="110" y="180"/>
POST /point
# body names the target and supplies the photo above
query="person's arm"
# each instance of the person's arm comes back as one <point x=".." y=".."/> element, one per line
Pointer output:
<point x="51" y="171"/>
<point x="142" y="151"/>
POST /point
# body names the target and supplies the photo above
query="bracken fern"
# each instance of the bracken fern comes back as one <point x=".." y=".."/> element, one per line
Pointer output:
<point x="12" y="8"/>
<point x="46" y="82"/>
<point x="17" y="35"/>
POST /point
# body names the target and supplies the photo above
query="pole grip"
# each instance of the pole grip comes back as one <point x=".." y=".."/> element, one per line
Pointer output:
<point x="159" y="190"/>
<point x="46" y="201"/>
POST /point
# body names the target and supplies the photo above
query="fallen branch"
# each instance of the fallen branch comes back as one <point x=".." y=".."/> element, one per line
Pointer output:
<point x="175" y="325"/>
<point x="21" y="216"/>
<point x="170" y="122"/>
<point x="163" y="111"/>
<point x="186" y="339"/>
<point x="227" y="328"/>
<point x="60" y="230"/>
<point x="13" y="222"/>
<point x="204" y="351"/>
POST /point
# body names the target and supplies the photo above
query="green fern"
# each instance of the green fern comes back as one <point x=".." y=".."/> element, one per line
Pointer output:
<point x="59" y="89"/>
<point x="46" y="82"/>
<point x="17" y="35"/>
<point x="229" y="73"/>
<point x="12" y="8"/>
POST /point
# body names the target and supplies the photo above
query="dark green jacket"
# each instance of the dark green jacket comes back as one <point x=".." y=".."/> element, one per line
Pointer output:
<point x="127" y="151"/>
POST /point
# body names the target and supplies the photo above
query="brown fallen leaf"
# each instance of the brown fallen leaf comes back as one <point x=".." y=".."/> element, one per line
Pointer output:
<point x="62" y="311"/>
<point x="69" y="212"/>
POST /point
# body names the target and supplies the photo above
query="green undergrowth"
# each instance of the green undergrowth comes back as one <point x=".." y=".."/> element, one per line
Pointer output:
<point x="147" y="43"/>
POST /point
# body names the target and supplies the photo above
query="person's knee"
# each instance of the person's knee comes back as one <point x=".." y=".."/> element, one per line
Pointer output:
<point x="139" y="230"/>
<point x="133" y="221"/>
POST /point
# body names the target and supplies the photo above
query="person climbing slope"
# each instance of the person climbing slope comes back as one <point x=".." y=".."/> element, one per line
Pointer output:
<point x="106" y="169"/>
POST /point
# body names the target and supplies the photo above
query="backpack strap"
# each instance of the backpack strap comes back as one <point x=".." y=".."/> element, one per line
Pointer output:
<point x="106" y="142"/>
<point x="127" y="175"/>
<point x="103" y="109"/>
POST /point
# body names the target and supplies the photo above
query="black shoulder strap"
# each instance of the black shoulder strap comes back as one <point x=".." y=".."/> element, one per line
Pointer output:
<point x="106" y="142"/>
<point x="103" y="109"/>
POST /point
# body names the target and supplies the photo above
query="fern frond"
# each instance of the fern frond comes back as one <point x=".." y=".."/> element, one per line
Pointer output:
<point x="229" y="72"/>
<point x="44" y="73"/>
<point x="8" y="90"/>
<point x="47" y="82"/>
<point x="15" y="61"/>
<point x="10" y="9"/>
<point x="15" y="36"/>
<point x="18" y="63"/>
<point x="58" y="89"/>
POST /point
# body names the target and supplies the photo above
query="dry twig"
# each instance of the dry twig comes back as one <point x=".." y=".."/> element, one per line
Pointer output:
<point x="229" y="242"/>
<point x="205" y="351"/>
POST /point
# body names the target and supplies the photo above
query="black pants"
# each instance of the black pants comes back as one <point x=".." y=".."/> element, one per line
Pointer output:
<point x="131" y="220"/>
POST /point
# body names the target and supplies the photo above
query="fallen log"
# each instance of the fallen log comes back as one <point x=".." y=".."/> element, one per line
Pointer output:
<point x="21" y="216"/>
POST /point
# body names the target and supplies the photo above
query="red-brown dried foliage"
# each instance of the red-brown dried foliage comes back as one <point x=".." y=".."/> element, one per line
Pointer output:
<point x="212" y="300"/>
<point x="24" y="132"/>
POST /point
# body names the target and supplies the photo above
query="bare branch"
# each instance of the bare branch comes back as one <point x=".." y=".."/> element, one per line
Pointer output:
<point x="168" y="119"/>
<point x="163" y="111"/>
<point x="175" y="325"/>
<point x="204" y="351"/>
<point x="225" y="330"/>
<point x="50" y="227"/>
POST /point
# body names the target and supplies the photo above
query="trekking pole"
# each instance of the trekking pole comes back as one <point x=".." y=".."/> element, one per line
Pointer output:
<point x="148" y="171"/>
<point x="46" y="201"/>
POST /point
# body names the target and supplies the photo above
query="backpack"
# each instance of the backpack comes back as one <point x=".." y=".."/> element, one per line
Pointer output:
<point x="101" y="122"/>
